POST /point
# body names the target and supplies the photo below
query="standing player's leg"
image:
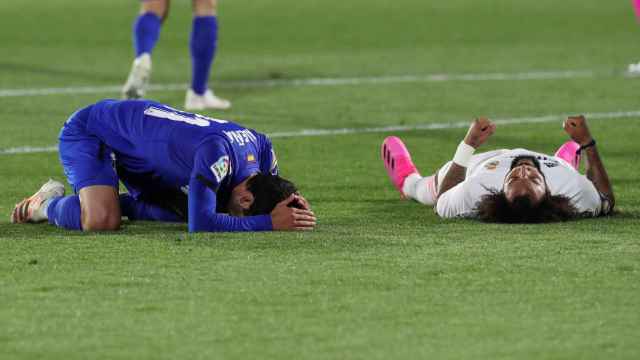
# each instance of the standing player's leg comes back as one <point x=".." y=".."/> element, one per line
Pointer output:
<point x="634" y="69"/>
<point x="204" y="36"/>
<point x="146" y="30"/>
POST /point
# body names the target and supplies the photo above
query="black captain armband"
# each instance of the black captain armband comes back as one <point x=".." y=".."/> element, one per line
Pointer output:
<point x="588" y="145"/>
<point x="207" y="183"/>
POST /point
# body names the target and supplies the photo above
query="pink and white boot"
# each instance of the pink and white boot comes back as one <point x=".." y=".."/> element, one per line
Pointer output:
<point x="397" y="161"/>
<point x="569" y="153"/>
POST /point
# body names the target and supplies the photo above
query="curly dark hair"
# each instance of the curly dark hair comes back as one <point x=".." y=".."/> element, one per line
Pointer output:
<point x="268" y="190"/>
<point x="494" y="207"/>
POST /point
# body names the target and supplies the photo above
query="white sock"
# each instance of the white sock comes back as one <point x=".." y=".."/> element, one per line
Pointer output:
<point x="421" y="189"/>
<point x="409" y="187"/>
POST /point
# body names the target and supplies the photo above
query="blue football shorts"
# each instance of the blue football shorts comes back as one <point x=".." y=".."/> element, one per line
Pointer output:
<point x="86" y="160"/>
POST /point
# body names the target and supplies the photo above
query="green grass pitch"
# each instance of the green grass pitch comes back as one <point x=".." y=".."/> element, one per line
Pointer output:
<point x="380" y="278"/>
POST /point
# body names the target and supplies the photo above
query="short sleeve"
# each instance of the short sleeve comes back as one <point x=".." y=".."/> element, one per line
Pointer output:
<point x="268" y="159"/>
<point x="588" y="201"/>
<point x="457" y="201"/>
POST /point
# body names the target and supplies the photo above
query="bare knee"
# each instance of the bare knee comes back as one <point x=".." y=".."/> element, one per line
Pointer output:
<point x="205" y="7"/>
<point x="101" y="221"/>
<point x="100" y="208"/>
<point x="158" y="7"/>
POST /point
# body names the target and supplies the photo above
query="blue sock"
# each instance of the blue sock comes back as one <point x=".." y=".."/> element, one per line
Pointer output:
<point x="139" y="210"/>
<point x="204" y="36"/>
<point x="146" y="31"/>
<point x="64" y="212"/>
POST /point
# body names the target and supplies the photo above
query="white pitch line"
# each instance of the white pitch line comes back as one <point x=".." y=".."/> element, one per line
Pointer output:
<point x="450" y="125"/>
<point x="387" y="129"/>
<point x="29" y="150"/>
<point x="532" y="75"/>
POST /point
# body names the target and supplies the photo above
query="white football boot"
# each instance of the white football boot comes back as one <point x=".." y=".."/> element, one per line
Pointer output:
<point x="208" y="100"/>
<point x="32" y="208"/>
<point x="633" y="69"/>
<point x="138" y="79"/>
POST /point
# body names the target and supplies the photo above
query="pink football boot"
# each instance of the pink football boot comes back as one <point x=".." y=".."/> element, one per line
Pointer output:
<point x="397" y="161"/>
<point x="569" y="153"/>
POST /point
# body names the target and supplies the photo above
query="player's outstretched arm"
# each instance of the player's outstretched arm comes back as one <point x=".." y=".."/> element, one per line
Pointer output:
<point x="576" y="127"/>
<point x="479" y="131"/>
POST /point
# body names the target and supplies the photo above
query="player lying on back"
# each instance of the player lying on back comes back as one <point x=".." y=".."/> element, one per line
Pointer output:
<point x="512" y="186"/>
<point x="176" y="166"/>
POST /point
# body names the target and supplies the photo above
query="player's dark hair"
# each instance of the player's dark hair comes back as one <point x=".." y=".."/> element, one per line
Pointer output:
<point x="494" y="207"/>
<point x="268" y="190"/>
<point x="516" y="161"/>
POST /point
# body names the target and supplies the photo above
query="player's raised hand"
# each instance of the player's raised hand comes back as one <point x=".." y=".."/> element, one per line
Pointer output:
<point x="286" y="217"/>
<point x="576" y="127"/>
<point x="479" y="131"/>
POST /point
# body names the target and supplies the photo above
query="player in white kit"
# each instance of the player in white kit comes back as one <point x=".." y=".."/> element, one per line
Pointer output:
<point x="513" y="186"/>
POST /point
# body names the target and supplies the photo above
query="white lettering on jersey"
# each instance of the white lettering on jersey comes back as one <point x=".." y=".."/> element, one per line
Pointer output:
<point x="241" y="137"/>
<point x="172" y="114"/>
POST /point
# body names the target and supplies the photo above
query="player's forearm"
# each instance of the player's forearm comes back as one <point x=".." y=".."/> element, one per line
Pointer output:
<point x="203" y="216"/>
<point x="597" y="174"/>
<point x="213" y="222"/>
<point x="458" y="169"/>
<point x="479" y="131"/>
<point x="454" y="176"/>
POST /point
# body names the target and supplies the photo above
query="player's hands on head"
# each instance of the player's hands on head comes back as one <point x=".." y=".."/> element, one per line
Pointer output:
<point x="293" y="213"/>
<point x="576" y="127"/>
<point x="480" y="130"/>
<point x="300" y="202"/>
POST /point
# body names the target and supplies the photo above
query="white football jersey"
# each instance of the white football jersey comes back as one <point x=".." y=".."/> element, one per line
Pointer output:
<point x="487" y="171"/>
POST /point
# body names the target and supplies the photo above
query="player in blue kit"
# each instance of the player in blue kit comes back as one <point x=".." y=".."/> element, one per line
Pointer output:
<point x="202" y="46"/>
<point x="176" y="166"/>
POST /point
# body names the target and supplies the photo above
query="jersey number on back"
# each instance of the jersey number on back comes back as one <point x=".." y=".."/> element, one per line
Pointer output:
<point x="177" y="115"/>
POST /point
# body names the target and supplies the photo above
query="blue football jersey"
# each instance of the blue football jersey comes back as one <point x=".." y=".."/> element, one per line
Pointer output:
<point x="158" y="148"/>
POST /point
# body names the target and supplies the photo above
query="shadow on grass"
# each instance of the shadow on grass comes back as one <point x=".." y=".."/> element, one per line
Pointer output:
<point x="38" y="231"/>
<point x="387" y="222"/>
<point x="623" y="214"/>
